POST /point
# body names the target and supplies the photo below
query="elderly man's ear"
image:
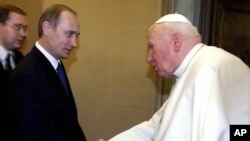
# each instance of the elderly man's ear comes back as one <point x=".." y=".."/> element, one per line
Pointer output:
<point x="177" y="41"/>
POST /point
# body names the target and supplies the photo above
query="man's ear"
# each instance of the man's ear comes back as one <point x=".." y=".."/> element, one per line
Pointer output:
<point x="177" y="41"/>
<point x="46" y="28"/>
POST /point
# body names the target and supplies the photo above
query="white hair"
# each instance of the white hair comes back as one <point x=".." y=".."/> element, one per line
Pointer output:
<point x="186" y="30"/>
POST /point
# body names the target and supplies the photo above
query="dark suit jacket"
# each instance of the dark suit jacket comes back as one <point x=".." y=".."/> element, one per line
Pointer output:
<point x="4" y="79"/>
<point x="40" y="107"/>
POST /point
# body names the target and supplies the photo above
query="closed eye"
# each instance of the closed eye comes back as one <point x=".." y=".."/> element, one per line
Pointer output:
<point x="150" y="46"/>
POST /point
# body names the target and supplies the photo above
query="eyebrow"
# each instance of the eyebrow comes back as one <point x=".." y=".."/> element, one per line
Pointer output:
<point x="72" y="32"/>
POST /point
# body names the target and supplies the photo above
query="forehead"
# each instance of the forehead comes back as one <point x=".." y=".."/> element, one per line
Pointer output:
<point x="155" y="33"/>
<point x="17" y="18"/>
<point x="69" y="20"/>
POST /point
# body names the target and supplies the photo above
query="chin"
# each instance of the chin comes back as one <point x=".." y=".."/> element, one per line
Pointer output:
<point x="164" y="75"/>
<point x="65" y="56"/>
<point x="17" y="46"/>
<point x="161" y="75"/>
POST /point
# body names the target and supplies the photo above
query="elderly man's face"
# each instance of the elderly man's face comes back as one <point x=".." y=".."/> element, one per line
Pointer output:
<point x="161" y="53"/>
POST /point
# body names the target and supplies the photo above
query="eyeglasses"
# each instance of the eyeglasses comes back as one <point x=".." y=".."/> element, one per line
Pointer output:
<point x="19" y="28"/>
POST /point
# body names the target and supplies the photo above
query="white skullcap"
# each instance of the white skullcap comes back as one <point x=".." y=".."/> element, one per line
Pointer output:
<point x="173" y="18"/>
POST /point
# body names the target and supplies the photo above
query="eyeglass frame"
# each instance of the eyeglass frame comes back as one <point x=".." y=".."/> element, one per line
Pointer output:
<point x="19" y="28"/>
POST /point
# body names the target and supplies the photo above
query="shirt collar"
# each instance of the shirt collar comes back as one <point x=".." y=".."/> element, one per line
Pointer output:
<point x="181" y="69"/>
<point x="52" y="60"/>
<point x="3" y="53"/>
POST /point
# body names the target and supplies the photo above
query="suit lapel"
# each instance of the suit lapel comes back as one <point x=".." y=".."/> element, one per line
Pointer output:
<point x="17" y="56"/>
<point x="53" y="77"/>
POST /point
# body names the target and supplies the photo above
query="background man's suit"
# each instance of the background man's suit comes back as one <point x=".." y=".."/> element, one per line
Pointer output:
<point x="4" y="79"/>
<point x="39" y="103"/>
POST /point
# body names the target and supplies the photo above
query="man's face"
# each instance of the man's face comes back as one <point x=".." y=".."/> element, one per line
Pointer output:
<point x="12" y="33"/>
<point x="63" y="38"/>
<point x="161" y="53"/>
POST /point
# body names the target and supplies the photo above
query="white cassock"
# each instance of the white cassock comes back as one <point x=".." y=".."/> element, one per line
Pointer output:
<point x="211" y="93"/>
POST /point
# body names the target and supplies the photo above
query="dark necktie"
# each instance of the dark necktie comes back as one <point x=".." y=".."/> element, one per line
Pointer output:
<point x="63" y="77"/>
<point x="8" y="67"/>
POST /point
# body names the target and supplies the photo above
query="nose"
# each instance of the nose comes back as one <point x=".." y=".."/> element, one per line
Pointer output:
<point x="149" y="56"/>
<point x="23" y="34"/>
<point x="24" y="31"/>
<point x="73" y="42"/>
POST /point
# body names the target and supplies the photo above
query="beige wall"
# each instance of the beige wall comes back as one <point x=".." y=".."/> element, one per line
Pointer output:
<point x="111" y="81"/>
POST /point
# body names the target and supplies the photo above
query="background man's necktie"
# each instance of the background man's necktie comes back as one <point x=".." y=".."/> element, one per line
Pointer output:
<point x="63" y="77"/>
<point x="8" y="67"/>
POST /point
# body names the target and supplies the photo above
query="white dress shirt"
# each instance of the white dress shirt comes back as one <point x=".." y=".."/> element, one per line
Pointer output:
<point x="3" y="55"/>
<point x="51" y="59"/>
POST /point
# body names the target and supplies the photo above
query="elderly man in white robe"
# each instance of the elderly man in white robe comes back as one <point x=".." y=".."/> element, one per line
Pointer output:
<point x="211" y="93"/>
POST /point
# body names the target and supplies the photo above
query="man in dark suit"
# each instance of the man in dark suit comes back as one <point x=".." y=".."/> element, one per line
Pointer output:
<point x="13" y="30"/>
<point x="41" y="107"/>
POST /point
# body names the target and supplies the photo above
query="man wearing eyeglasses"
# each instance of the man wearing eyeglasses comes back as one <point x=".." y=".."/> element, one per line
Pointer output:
<point x="13" y="30"/>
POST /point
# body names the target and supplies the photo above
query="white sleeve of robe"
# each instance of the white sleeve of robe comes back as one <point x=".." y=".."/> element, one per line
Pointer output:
<point x="143" y="131"/>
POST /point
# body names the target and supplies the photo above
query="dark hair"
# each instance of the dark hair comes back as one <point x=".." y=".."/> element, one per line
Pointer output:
<point x="6" y="9"/>
<point x="52" y="15"/>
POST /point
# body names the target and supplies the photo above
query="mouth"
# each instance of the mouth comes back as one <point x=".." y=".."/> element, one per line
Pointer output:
<point x="153" y="65"/>
<point x="19" y="41"/>
<point x="67" y="50"/>
<point x="155" y="68"/>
